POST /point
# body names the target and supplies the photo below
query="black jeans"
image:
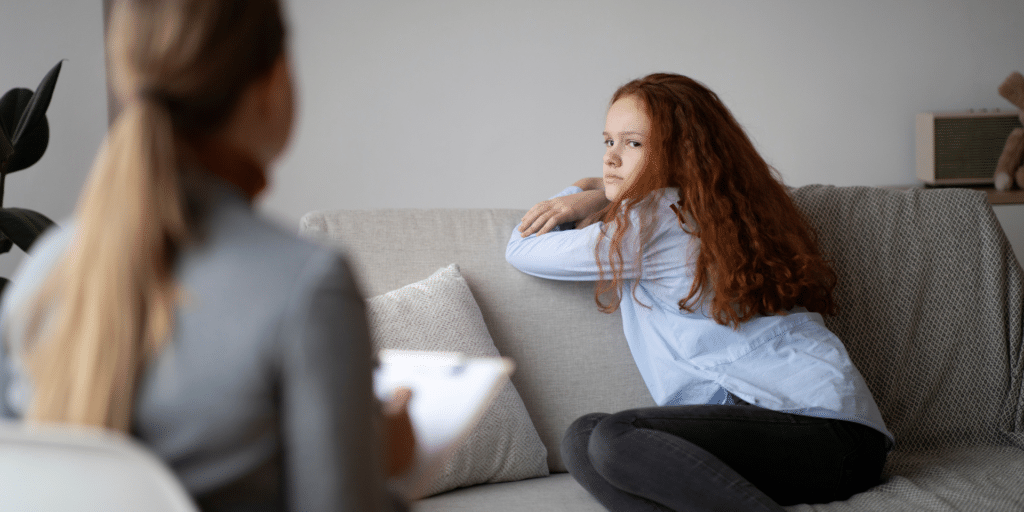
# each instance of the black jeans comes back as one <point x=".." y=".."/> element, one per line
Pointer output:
<point x="720" y="457"/>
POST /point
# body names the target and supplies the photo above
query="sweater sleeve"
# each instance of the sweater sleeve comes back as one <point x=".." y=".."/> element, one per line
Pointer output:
<point x="6" y="412"/>
<point x="329" y="416"/>
<point x="25" y="282"/>
<point x="5" y="381"/>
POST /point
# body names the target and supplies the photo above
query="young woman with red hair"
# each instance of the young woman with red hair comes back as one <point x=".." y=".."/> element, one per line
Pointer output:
<point x="721" y="288"/>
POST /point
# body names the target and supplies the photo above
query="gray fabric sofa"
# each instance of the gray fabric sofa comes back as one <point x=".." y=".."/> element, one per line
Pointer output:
<point x="930" y="300"/>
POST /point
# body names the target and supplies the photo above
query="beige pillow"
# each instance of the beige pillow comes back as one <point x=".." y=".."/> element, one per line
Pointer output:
<point x="439" y="313"/>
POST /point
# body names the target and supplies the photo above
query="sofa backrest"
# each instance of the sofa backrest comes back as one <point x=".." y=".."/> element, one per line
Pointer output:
<point x="930" y="304"/>
<point x="930" y="308"/>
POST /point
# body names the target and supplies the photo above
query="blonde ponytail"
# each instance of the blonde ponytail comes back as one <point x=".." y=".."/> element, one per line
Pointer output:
<point x="108" y="307"/>
<point x="115" y="285"/>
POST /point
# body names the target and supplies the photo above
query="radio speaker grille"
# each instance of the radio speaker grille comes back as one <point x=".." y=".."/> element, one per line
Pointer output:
<point x="961" y="148"/>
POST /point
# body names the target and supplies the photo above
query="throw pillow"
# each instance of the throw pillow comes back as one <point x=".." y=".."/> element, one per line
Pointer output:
<point x="439" y="313"/>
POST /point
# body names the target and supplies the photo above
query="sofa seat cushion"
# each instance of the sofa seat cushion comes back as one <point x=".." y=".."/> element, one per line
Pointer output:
<point x="941" y="481"/>
<point x="983" y="478"/>
<point x="556" y="492"/>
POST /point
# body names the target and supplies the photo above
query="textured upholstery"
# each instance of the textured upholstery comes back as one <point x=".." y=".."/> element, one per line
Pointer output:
<point x="556" y="493"/>
<point x="439" y="314"/>
<point x="930" y="303"/>
<point x="933" y="272"/>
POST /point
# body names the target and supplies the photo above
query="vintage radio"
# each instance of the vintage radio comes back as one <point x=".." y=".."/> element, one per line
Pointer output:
<point x="962" y="148"/>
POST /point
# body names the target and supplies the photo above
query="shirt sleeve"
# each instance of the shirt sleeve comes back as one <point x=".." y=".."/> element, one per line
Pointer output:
<point x="566" y="254"/>
<point x="570" y="254"/>
<point x="329" y="415"/>
<point x="567" y="191"/>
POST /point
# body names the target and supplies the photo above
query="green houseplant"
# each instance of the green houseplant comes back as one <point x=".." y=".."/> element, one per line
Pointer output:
<point x="24" y="134"/>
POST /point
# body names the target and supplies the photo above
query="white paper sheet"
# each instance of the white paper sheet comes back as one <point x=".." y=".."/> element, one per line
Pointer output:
<point x="450" y="393"/>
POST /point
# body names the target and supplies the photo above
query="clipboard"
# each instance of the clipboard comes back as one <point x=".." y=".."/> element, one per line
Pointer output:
<point x="450" y="394"/>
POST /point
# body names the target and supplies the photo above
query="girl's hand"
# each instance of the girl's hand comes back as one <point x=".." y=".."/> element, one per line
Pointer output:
<point x="590" y="183"/>
<point x="545" y="215"/>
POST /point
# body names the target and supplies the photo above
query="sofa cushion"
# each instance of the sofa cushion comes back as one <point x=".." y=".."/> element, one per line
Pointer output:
<point x="439" y="313"/>
<point x="558" y="492"/>
<point x="938" y="481"/>
<point x="981" y="478"/>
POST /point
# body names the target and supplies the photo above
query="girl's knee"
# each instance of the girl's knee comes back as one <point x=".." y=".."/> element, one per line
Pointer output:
<point x="584" y="425"/>
<point x="613" y="425"/>
<point x="577" y="436"/>
<point x="605" y="446"/>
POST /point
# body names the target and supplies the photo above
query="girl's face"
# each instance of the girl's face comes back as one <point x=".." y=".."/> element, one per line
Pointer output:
<point x="625" y="138"/>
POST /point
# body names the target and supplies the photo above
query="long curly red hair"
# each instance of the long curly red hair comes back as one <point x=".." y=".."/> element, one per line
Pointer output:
<point x="757" y="253"/>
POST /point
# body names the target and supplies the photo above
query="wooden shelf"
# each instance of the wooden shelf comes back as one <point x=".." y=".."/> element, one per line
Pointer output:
<point x="1001" y="197"/>
<point x="994" y="196"/>
<point x="1014" y="197"/>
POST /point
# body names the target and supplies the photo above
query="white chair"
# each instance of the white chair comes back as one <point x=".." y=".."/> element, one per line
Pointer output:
<point x="55" y="469"/>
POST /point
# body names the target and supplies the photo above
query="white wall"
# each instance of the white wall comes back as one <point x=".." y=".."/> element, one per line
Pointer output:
<point x="470" y="103"/>
<point x="467" y="103"/>
<point x="1011" y="217"/>
<point x="34" y="35"/>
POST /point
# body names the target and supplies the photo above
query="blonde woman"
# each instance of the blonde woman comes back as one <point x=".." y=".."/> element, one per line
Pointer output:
<point x="169" y="310"/>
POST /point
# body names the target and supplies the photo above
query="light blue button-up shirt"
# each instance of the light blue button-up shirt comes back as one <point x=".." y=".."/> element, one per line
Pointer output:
<point x="788" y="363"/>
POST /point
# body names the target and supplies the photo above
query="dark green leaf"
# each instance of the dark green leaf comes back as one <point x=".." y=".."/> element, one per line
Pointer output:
<point x="23" y="122"/>
<point x="31" y="147"/>
<point x="6" y="150"/>
<point x="12" y="104"/>
<point x="23" y="226"/>
<point x="37" y="106"/>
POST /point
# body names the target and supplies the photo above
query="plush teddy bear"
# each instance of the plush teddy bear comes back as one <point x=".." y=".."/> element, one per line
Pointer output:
<point x="1010" y="167"/>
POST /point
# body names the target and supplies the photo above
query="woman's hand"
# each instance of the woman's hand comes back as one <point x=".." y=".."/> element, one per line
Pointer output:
<point x="545" y="215"/>
<point x="399" y="439"/>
